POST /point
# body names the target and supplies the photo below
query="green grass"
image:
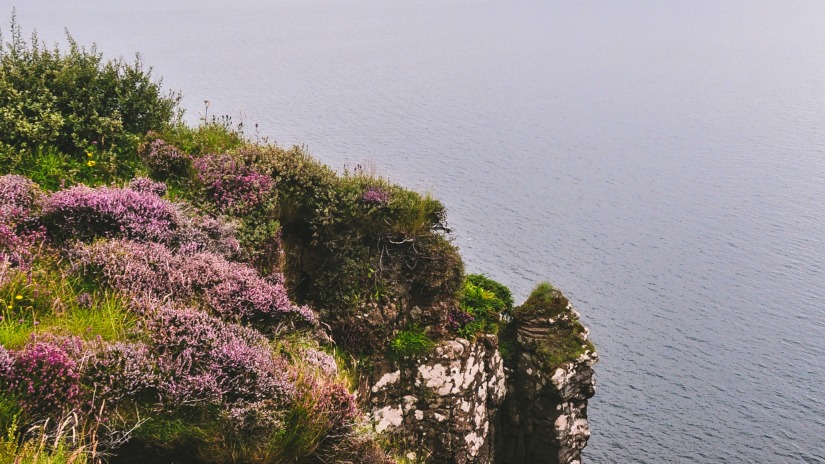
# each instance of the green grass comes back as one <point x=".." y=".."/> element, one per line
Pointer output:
<point x="65" y="442"/>
<point x="216" y="136"/>
<point x="45" y="300"/>
<point x="563" y="346"/>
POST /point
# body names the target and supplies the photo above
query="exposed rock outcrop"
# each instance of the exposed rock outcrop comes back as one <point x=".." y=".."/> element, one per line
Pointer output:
<point x="460" y="404"/>
<point x="544" y="418"/>
<point x="442" y="404"/>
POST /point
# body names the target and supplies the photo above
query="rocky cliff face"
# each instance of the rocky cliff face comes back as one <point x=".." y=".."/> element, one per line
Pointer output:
<point x="443" y="405"/>
<point x="460" y="404"/>
<point x="544" y="418"/>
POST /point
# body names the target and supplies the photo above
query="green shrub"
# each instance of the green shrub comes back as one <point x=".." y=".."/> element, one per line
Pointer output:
<point x="501" y="292"/>
<point x="351" y="239"/>
<point x="411" y="342"/>
<point x="482" y="303"/>
<point x="93" y="112"/>
<point x="71" y="99"/>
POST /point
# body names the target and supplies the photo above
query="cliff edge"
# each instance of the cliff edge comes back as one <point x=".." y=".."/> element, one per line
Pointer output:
<point x="514" y="398"/>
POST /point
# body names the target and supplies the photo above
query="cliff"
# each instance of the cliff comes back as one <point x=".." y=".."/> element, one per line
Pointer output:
<point x="544" y="418"/>
<point x="464" y="403"/>
<point x="183" y="294"/>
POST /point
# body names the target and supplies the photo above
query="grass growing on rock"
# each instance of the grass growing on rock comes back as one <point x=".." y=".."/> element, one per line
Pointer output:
<point x="564" y="338"/>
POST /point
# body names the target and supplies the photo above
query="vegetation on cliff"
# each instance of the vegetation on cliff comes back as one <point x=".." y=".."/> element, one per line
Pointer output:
<point x="563" y="340"/>
<point x="187" y="294"/>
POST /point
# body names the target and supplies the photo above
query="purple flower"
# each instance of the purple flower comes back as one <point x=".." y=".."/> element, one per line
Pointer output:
<point x="324" y="362"/>
<point x="457" y="319"/>
<point x="84" y="300"/>
<point x="205" y="360"/>
<point x="6" y="362"/>
<point x="234" y="291"/>
<point x="165" y="160"/>
<point x="144" y="184"/>
<point x="46" y="378"/>
<point x="375" y="196"/>
<point x="85" y="213"/>
<point x="19" y="197"/>
<point x="232" y="185"/>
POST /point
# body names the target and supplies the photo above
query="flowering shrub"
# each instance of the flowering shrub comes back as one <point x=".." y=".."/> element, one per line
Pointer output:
<point x="144" y="184"/>
<point x="230" y="184"/>
<point x="18" y="198"/>
<point x="17" y="247"/>
<point x="18" y="194"/>
<point x="324" y="362"/>
<point x="336" y="404"/>
<point x="205" y="360"/>
<point x="164" y="160"/>
<point x="375" y="196"/>
<point x="458" y="319"/>
<point x="124" y="370"/>
<point x="233" y="290"/>
<point x="210" y="234"/>
<point x="191" y="359"/>
<point x="45" y="377"/>
<point x="84" y="300"/>
<point x="85" y="213"/>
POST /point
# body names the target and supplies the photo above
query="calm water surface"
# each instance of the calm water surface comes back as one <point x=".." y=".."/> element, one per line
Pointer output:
<point x="662" y="162"/>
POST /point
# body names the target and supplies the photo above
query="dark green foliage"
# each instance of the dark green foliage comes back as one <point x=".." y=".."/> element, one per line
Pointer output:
<point x="344" y="247"/>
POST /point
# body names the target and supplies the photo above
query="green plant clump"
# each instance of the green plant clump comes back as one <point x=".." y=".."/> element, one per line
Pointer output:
<point x="483" y="302"/>
<point x="411" y="342"/>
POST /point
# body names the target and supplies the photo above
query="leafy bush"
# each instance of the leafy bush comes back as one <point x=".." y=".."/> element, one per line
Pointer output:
<point x="501" y="292"/>
<point x="355" y="238"/>
<point x="70" y="99"/>
<point x="410" y="342"/>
